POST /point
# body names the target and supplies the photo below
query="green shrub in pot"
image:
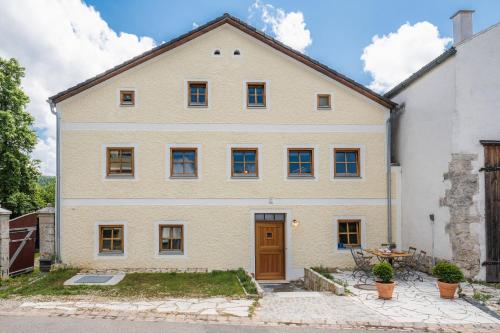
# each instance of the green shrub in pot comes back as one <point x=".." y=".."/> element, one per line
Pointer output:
<point x="448" y="272"/>
<point x="383" y="271"/>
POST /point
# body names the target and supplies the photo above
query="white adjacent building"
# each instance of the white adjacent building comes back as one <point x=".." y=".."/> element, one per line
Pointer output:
<point x="447" y="140"/>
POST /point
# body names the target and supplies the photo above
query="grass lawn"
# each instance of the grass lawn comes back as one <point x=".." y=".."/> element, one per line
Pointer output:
<point x="134" y="285"/>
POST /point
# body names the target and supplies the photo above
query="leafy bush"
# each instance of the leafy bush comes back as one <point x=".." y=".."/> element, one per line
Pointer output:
<point x="448" y="272"/>
<point x="383" y="271"/>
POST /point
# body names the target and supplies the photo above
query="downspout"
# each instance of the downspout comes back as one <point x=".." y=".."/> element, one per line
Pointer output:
<point x="389" y="121"/>
<point x="389" y="178"/>
<point x="58" y="181"/>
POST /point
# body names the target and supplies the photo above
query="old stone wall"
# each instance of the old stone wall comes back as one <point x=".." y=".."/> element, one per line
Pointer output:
<point x="464" y="185"/>
<point x="317" y="282"/>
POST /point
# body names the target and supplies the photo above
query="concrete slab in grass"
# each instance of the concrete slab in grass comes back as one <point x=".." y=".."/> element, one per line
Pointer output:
<point x="95" y="279"/>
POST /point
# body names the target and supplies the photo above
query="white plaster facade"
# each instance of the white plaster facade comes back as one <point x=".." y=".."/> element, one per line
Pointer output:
<point x="447" y="111"/>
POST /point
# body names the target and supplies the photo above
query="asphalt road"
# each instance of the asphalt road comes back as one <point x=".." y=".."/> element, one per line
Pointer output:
<point x="25" y="324"/>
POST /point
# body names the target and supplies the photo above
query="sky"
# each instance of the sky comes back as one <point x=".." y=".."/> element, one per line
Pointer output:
<point x="377" y="43"/>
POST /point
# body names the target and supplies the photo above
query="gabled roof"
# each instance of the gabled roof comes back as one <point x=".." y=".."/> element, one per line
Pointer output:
<point x="421" y="72"/>
<point x="235" y="22"/>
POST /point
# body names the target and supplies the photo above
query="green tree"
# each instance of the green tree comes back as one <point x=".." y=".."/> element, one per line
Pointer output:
<point x="18" y="172"/>
<point x="47" y="190"/>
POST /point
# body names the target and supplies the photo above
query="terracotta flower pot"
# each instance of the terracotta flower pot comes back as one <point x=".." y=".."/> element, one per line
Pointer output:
<point x="447" y="290"/>
<point x="385" y="290"/>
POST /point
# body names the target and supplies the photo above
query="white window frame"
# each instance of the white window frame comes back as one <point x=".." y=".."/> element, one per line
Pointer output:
<point x="229" y="166"/>
<point x="268" y="96"/>
<point x="316" y="152"/>
<point x="104" y="158"/>
<point x="362" y="161"/>
<point x="199" y="160"/>
<point x="110" y="256"/>
<point x="156" y="235"/>
<point x="362" y="225"/>
<point x="186" y="95"/>
<point x="136" y="98"/>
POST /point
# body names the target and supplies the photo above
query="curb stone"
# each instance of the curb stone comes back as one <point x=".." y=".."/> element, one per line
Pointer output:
<point x="228" y="320"/>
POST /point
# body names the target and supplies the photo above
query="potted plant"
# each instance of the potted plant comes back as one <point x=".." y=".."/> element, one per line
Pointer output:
<point x="45" y="262"/>
<point x="449" y="276"/>
<point x="384" y="273"/>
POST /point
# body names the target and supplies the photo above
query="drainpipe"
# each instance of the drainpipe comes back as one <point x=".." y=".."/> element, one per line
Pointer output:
<point x="58" y="181"/>
<point x="389" y="179"/>
<point x="389" y="121"/>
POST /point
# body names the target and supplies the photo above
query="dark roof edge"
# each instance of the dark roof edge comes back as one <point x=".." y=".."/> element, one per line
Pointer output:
<point x="237" y="23"/>
<point x="421" y="72"/>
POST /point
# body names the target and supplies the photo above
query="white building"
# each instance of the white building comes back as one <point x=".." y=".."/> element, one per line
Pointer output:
<point x="445" y="136"/>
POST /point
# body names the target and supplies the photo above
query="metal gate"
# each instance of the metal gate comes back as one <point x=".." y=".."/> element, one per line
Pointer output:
<point x="491" y="171"/>
<point x="22" y="243"/>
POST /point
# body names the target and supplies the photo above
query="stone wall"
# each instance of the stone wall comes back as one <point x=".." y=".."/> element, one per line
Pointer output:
<point x="459" y="198"/>
<point x="317" y="282"/>
<point x="46" y="221"/>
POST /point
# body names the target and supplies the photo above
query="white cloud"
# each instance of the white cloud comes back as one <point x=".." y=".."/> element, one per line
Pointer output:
<point x="289" y="28"/>
<point x="392" y="58"/>
<point x="60" y="43"/>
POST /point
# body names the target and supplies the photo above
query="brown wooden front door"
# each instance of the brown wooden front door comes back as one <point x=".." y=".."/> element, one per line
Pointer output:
<point x="270" y="250"/>
<point x="492" y="196"/>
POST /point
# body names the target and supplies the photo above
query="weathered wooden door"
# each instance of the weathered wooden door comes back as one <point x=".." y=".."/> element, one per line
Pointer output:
<point x="22" y="243"/>
<point x="269" y="250"/>
<point x="492" y="195"/>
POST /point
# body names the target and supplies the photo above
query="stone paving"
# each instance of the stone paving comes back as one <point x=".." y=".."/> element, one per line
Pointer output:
<point x="416" y="301"/>
<point x="312" y="308"/>
<point x="193" y="306"/>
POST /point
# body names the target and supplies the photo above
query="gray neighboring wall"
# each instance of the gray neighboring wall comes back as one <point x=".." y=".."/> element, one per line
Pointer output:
<point x="450" y="105"/>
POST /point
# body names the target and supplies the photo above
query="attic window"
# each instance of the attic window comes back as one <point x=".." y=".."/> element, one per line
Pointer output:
<point x="217" y="52"/>
<point x="127" y="97"/>
<point x="236" y="52"/>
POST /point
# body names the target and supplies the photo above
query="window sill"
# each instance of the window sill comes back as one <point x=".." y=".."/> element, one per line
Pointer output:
<point x="183" y="177"/>
<point x="111" y="254"/>
<point x="171" y="253"/>
<point x="197" y="106"/>
<point x="127" y="105"/>
<point x="245" y="177"/>
<point x="347" y="177"/>
<point x="324" y="109"/>
<point x="301" y="177"/>
<point x="348" y="249"/>
<point x="120" y="177"/>
<point x="256" y="107"/>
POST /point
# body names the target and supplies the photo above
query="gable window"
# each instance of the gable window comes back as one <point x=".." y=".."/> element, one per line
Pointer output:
<point x="349" y="233"/>
<point x="346" y="162"/>
<point x="111" y="239"/>
<point x="300" y="163"/>
<point x="198" y="94"/>
<point x="244" y="162"/>
<point x="256" y="94"/>
<point x="120" y="161"/>
<point x="171" y="239"/>
<point x="324" y="101"/>
<point x="183" y="162"/>
<point x="127" y="98"/>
